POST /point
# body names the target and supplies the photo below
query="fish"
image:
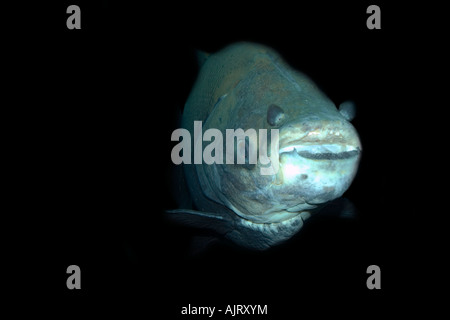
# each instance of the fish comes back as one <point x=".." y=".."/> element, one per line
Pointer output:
<point x="248" y="85"/>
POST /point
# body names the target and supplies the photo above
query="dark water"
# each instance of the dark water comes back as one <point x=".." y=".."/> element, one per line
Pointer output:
<point x="112" y="94"/>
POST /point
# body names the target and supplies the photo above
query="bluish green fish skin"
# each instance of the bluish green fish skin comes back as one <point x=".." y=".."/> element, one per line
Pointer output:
<point x="247" y="85"/>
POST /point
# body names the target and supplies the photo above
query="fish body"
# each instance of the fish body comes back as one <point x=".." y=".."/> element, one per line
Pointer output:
<point x="245" y="86"/>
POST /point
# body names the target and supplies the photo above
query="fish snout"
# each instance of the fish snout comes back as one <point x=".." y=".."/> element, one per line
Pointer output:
<point x="319" y="159"/>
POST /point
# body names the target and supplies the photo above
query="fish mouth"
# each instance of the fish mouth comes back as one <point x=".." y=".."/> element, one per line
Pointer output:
<point x="320" y="140"/>
<point x="318" y="166"/>
<point x="323" y="151"/>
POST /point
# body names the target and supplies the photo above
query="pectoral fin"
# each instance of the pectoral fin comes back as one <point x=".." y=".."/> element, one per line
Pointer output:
<point x="204" y="220"/>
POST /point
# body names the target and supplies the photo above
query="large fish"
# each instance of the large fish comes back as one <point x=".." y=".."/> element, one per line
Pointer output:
<point x="245" y="86"/>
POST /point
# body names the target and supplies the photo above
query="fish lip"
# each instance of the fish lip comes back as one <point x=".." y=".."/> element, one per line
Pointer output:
<point x="331" y="139"/>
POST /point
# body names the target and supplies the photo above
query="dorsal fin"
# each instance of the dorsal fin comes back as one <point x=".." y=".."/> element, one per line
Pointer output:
<point x="202" y="57"/>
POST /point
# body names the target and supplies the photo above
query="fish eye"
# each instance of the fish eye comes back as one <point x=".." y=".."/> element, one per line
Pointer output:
<point x="275" y="115"/>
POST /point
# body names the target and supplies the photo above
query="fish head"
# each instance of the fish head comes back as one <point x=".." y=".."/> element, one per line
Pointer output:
<point x="315" y="159"/>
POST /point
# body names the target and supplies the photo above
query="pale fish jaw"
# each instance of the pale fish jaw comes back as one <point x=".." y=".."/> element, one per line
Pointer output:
<point x="295" y="223"/>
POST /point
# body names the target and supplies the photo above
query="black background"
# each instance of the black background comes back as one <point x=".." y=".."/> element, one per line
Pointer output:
<point x="104" y="102"/>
